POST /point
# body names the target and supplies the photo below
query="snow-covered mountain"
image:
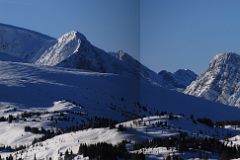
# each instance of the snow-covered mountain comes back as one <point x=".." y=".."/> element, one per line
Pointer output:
<point x="179" y="79"/>
<point x="65" y="47"/>
<point x="73" y="50"/>
<point x="185" y="76"/>
<point x="22" y="43"/>
<point x="220" y="82"/>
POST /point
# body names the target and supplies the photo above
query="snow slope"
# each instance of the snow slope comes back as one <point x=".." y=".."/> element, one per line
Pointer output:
<point x="103" y="94"/>
<point x="22" y="43"/>
<point x="31" y="88"/>
<point x="220" y="82"/>
<point x="7" y="57"/>
<point x="52" y="147"/>
<point x="137" y="130"/>
<point x="14" y="134"/>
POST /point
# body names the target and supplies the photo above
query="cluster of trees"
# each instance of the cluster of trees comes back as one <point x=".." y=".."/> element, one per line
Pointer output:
<point x="9" y="148"/>
<point x="221" y="124"/>
<point x="121" y="128"/>
<point x="95" y="122"/>
<point x="37" y="130"/>
<point x="22" y="116"/>
<point x="25" y="115"/>
<point x="104" y="151"/>
<point x="183" y="143"/>
<point x="9" y="119"/>
<point x="44" y="137"/>
<point x="69" y="155"/>
<point x="29" y="114"/>
<point x="217" y="124"/>
<point x="99" y="122"/>
<point x="170" y="115"/>
<point x="10" y="157"/>
<point x="206" y="121"/>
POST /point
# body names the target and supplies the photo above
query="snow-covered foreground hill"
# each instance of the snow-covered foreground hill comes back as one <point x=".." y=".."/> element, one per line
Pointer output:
<point x="135" y="131"/>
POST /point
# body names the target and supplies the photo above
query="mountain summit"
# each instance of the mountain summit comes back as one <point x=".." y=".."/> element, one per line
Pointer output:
<point x="220" y="82"/>
<point x="67" y="45"/>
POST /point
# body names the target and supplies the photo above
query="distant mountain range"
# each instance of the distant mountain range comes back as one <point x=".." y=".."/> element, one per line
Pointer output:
<point x="179" y="79"/>
<point x="73" y="50"/>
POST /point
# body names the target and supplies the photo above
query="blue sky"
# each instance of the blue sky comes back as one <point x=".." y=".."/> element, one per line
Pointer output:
<point x="188" y="33"/>
<point x="109" y="24"/>
<point x="172" y="34"/>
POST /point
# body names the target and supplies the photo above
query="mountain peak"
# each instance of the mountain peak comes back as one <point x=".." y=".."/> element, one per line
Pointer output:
<point x="67" y="45"/>
<point x="225" y="55"/>
<point x="229" y="58"/>
<point x="220" y="82"/>
<point x="72" y="35"/>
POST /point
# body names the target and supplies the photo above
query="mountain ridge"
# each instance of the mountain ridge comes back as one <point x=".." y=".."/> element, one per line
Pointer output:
<point x="23" y="43"/>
